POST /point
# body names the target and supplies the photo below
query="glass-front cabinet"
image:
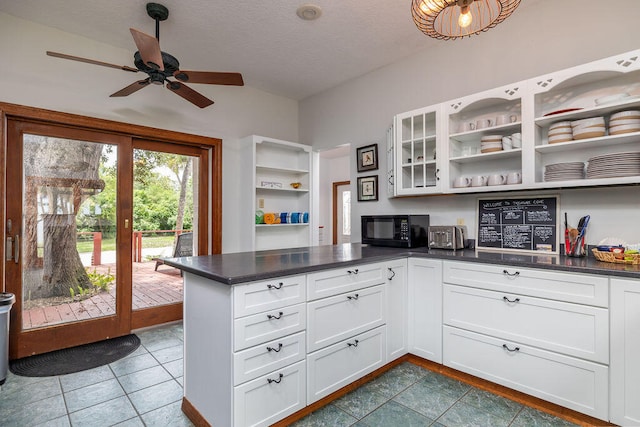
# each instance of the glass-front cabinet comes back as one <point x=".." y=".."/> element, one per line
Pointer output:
<point x="418" y="166"/>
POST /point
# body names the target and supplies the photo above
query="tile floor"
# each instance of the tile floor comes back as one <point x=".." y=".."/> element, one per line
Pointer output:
<point x="145" y="389"/>
<point x="408" y="396"/>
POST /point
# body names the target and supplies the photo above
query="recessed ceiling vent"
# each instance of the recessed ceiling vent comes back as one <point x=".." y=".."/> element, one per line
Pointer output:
<point x="309" y="12"/>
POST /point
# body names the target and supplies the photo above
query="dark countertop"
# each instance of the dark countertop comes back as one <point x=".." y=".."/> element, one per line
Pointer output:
<point x="244" y="267"/>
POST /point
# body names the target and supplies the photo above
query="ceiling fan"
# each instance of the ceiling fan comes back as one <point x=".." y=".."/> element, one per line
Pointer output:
<point x="160" y="66"/>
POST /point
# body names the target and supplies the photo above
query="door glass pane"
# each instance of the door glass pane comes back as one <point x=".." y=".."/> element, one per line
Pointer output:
<point x="165" y="221"/>
<point x="68" y="239"/>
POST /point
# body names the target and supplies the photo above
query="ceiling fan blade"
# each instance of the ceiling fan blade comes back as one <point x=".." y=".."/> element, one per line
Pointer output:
<point x="133" y="87"/>
<point x="149" y="49"/>
<point x="189" y="94"/>
<point x="209" y="77"/>
<point x="91" y="61"/>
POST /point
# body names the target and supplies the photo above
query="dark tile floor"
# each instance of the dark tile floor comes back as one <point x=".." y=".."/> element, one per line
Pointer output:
<point x="145" y="389"/>
<point x="408" y="396"/>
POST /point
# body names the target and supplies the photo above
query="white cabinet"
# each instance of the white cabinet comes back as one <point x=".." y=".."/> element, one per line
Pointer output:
<point x="391" y="191"/>
<point x="425" y="308"/>
<point x="543" y="333"/>
<point x="397" y="300"/>
<point x="625" y="350"/>
<point x="475" y="127"/>
<point x="417" y="156"/>
<point x="279" y="181"/>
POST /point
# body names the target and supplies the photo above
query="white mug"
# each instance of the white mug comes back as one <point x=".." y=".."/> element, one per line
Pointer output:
<point x="506" y="143"/>
<point x="484" y="123"/>
<point x="461" y="181"/>
<point x="504" y="119"/>
<point x="478" y="181"/>
<point x="496" y="179"/>
<point x="514" y="178"/>
<point x="467" y="127"/>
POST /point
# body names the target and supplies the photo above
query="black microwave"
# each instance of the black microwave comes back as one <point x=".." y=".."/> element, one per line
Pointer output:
<point x="400" y="231"/>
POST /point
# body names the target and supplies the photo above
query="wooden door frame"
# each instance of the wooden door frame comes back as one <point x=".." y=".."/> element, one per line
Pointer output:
<point x="212" y="178"/>
<point x="334" y="213"/>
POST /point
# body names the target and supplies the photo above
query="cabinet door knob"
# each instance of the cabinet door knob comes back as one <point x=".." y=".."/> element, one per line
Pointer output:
<point x="278" y="286"/>
<point x="270" y="349"/>
<point x="353" y="344"/>
<point x="517" y="273"/>
<point x="505" y="299"/>
<point x="269" y="380"/>
<point x="353" y="297"/>
<point x="506" y="347"/>
<point x="273" y="316"/>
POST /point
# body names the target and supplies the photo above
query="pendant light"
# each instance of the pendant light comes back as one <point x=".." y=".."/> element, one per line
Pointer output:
<point x="454" y="19"/>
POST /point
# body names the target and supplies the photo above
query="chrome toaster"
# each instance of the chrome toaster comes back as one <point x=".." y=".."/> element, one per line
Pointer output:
<point x="447" y="236"/>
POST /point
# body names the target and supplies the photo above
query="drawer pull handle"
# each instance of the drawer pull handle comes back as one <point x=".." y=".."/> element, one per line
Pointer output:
<point x="278" y="286"/>
<point x="353" y="344"/>
<point x="393" y="273"/>
<point x="517" y="273"/>
<point x="274" y="349"/>
<point x="506" y="347"/>
<point x="273" y="316"/>
<point x="508" y="300"/>
<point x="269" y="380"/>
<point x="353" y="271"/>
<point x="354" y="297"/>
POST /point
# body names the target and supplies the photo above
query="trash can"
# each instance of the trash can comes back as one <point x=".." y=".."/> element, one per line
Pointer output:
<point x="6" y="301"/>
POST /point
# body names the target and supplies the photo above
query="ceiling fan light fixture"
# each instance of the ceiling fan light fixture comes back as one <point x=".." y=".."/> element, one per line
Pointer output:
<point x="309" y="12"/>
<point x="454" y="19"/>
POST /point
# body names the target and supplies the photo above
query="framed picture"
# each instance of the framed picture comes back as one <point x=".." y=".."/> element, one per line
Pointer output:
<point x="368" y="188"/>
<point x="368" y="158"/>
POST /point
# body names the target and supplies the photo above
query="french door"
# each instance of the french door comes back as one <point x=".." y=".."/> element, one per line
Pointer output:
<point x="73" y="239"/>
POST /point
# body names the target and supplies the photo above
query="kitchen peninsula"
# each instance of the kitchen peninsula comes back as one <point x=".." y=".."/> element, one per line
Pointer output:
<point x="269" y="333"/>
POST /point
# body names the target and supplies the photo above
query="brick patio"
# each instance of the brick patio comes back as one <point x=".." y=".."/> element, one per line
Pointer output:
<point x="150" y="288"/>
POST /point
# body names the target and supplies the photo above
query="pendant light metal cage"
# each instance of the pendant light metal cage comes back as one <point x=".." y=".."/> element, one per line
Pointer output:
<point x="439" y="18"/>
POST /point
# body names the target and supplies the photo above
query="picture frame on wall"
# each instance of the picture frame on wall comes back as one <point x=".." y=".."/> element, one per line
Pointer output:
<point x="367" y="158"/>
<point x="368" y="188"/>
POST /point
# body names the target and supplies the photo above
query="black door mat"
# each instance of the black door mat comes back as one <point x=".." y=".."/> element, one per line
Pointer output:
<point x="75" y="359"/>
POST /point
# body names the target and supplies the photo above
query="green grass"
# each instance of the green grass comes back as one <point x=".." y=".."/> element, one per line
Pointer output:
<point x="110" y="244"/>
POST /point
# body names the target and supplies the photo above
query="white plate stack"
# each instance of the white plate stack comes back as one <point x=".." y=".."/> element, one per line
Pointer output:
<point x="560" y="132"/>
<point x="564" y="171"/>
<point x="624" y="122"/>
<point x="490" y="143"/>
<point x="588" y="128"/>
<point x="614" y="165"/>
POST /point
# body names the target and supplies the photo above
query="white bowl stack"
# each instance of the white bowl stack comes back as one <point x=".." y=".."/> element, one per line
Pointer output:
<point x="490" y="143"/>
<point x="560" y="132"/>
<point x="593" y="127"/>
<point x="624" y="122"/>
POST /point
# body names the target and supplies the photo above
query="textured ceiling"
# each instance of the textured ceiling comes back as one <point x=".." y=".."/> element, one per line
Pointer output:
<point x="264" y="40"/>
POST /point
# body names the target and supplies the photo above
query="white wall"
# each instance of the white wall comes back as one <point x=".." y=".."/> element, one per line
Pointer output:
<point x="29" y="77"/>
<point x="543" y="37"/>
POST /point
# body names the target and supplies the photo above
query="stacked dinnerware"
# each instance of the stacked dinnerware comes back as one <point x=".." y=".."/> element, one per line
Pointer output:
<point x="560" y="132"/>
<point x="564" y="171"/>
<point x="614" y="165"/>
<point x="593" y="127"/>
<point x="490" y="143"/>
<point x="624" y="122"/>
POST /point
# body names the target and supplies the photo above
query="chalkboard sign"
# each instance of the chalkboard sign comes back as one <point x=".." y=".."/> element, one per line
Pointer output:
<point x="519" y="224"/>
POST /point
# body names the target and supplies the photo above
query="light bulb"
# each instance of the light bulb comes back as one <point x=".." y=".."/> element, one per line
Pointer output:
<point x="465" y="18"/>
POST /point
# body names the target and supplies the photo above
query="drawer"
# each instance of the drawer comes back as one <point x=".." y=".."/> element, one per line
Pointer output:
<point x="574" y="383"/>
<point x="264" y="358"/>
<point x="268" y="326"/>
<point x="336" y="318"/>
<point x="332" y="282"/>
<point x="270" y="398"/>
<point x="569" y="287"/>
<point x="572" y="329"/>
<point x="257" y="297"/>
<point x="336" y="366"/>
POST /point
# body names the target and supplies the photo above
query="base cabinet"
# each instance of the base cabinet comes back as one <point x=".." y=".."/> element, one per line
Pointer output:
<point x="625" y="352"/>
<point x="397" y="318"/>
<point x="425" y="308"/>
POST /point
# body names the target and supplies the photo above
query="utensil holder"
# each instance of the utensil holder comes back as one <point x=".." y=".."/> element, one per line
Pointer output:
<point x="578" y="249"/>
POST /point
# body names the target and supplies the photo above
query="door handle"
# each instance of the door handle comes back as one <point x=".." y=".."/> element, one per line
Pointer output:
<point x="16" y="249"/>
